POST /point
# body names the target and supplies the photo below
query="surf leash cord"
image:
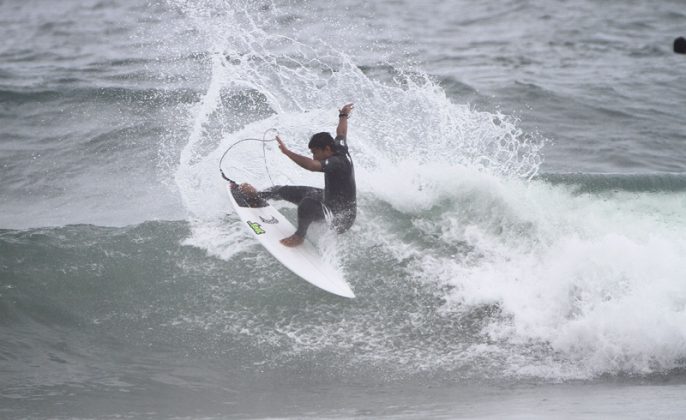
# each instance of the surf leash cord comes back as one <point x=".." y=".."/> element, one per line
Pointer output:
<point x="263" y="140"/>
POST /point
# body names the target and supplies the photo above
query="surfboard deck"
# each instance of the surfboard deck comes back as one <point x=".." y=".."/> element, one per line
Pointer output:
<point x="269" y="226"/>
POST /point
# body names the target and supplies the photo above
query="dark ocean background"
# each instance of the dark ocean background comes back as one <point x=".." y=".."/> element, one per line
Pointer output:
<point x="519" y="248"/>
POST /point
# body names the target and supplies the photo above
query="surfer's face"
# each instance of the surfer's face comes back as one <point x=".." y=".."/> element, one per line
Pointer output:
<point x="321" y="154"/>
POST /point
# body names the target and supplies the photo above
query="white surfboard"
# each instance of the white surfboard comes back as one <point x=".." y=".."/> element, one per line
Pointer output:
<point x="269" y="226"/>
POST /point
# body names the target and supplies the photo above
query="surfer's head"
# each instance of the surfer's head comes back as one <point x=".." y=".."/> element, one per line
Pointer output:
<point x="321" y="145"/>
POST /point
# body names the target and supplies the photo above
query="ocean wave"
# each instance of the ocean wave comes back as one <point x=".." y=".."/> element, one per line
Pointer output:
<point x="475" y="278"/>
<point x="118" y="95"/>
<point x="596" y="183"/>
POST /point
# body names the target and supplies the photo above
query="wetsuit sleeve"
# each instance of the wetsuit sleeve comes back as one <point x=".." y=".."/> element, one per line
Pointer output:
<point x="341" y="142"/>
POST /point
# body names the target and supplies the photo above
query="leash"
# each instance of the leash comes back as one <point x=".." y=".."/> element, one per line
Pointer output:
<point x="264" y="142"/>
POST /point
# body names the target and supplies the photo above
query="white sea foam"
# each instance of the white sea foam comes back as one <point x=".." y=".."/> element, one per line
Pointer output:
<point x="598" y="282"/>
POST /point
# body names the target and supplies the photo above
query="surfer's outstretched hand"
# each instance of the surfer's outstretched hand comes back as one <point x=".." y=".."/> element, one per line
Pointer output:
<point x="282" y="145"/>
<point x="347" y="109"/>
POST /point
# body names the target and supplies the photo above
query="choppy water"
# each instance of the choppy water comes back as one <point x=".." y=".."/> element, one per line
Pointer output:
<point x="521" y="231"/>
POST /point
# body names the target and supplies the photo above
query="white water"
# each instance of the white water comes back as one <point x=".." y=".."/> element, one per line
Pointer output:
<point x="598" y="280"/>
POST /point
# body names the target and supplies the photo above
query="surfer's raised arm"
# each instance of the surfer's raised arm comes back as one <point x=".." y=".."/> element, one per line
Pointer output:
<point x="343" y="115"/>
<point x="302" y="161"/>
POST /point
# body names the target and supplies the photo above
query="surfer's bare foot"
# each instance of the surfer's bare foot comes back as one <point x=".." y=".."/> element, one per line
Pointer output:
<point x="248" y="190"/>
<point x="293" y="240"/>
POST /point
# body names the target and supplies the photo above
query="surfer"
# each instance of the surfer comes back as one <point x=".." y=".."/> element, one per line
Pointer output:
<point x="337" y="201"/>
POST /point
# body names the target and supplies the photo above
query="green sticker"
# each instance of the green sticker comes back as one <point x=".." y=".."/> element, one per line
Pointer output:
<point x="256" y="228"/>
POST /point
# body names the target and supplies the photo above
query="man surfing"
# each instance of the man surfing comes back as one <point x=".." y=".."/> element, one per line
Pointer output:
<point x="337" y="201"/>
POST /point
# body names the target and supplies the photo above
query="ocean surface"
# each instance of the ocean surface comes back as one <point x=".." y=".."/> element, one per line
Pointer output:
<point x="520" y="245"/>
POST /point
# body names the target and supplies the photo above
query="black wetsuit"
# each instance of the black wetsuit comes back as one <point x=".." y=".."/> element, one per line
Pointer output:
<point x="336" y="202"/>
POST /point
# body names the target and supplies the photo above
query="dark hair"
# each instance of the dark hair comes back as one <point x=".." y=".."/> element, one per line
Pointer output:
<point x="680" y="45"/>
<point x="320" y="141"/>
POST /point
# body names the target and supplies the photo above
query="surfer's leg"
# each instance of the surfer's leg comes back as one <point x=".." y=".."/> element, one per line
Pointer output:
<point x="310" y="207"/>
<point x="342" y="221"/>
<point x="292" y="193"/>
<point x="309" y="210"/>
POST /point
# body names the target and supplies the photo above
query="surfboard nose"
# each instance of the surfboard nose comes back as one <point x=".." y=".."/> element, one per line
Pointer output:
<point x="346" y="292"/>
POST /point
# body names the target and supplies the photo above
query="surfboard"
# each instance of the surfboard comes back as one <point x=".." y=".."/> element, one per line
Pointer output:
<point x="269" y="226"/>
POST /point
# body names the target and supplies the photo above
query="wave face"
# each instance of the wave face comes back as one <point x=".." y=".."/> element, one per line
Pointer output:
<point x="460" y="280"/>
